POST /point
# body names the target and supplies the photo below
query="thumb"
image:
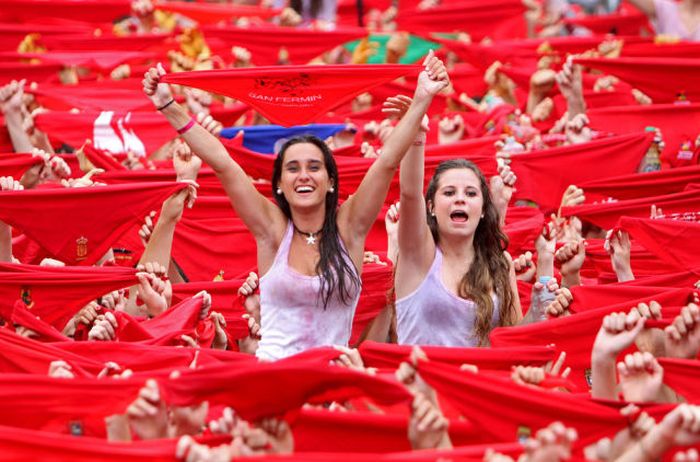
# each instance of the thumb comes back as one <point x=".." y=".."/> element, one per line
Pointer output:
<point x="161" y="69"/>
<point x="431" y="53"/>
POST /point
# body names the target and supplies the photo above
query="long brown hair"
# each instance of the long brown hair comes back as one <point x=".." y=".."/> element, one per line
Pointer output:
<point x="490" y="270"/>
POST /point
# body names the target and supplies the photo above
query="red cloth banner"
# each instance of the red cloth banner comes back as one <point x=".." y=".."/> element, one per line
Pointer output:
<point x="637" y="186"/>
<point x="674" y="241"/>
<point x="205" y="13"/>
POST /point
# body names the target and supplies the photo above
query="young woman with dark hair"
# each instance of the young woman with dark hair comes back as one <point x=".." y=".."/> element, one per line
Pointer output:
<point x="454" y="281"/>
<point x="309" y="250"/>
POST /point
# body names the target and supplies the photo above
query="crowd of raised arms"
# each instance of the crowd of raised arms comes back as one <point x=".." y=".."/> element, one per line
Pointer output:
<point x="334" y="230"/>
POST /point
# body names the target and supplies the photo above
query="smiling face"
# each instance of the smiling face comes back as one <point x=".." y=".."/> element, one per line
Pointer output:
<point x="304" y="179"/>
<point x="458" y="203"/>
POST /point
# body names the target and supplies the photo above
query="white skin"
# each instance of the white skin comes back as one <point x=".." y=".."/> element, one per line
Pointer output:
<point x="305" y="181"/>
<point x="688" y="11"/>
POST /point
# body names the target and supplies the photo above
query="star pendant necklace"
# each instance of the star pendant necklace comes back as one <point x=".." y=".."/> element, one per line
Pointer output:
<point x="310" y="237"/>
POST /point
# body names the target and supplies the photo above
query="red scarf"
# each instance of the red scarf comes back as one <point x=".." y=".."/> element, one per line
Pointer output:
<point x="211" y="14"/>
<point x="15" y="165"/>
<point x="635" y="186"/>
<point x="91" y="11"/>
<point x="293" y="95"/>
<point x="676" y="242"/>
<point x="682" y="376"/>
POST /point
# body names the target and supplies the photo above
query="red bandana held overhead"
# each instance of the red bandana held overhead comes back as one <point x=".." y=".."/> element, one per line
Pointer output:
<point x="270" y="389"/>
<point x="674" y="241"/>
<point x="104" y="97"/>
<point x="630" y="23"/>
<point x="118" y="132"/>
<point x="39" y="73"/>
<point x="545" y="175"/>
<point x="509" y="411"/>
<point x="21" y="316"/>
<point x="606" y="215"/>
<point x="92" y="11"/>
<point x="664" y="80"/>
<point x="293" y="95"/>
<point x="78" y="225"/>
<point x="15" y="165"/>
<point x="75" y="41"/>
<point x="94" y="60"/>
<point x="477" y="18"/>
<point x="205" y="13"/>
<point x="56" y="297"/>
<point x="265" y="42"/>
<point x="679" y="125"/>
<point x="636" y="186"/>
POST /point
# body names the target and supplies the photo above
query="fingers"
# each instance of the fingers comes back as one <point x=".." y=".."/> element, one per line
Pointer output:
<point x="7" y="183"/>
<point x="249" y="286"/>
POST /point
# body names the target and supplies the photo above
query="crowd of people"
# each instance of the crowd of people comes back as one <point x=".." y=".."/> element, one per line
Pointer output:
<point x="335" y="230"/>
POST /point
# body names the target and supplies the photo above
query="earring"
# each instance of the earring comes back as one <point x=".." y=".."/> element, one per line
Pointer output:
<point x="432" y="214"/>
<point x="482" y="215"/>
<point x="331" y="190"/>
<point x="279" y="191"/>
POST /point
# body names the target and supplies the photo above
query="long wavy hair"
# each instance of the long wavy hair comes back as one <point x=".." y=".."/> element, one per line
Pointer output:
<point x="490" y="270"/>
<point x="332" y="267"/>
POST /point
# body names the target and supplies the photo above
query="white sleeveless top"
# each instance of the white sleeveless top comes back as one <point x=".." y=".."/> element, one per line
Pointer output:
<point x="292" y="317"/>
<point x="432" y="315"/>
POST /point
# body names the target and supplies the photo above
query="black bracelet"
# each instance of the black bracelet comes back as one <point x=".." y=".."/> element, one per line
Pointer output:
<point x="166" y="105"/>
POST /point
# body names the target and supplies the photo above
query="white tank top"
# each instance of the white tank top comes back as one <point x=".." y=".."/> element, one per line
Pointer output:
<point x="432" y="315"/>
<point x="292" y="317"/>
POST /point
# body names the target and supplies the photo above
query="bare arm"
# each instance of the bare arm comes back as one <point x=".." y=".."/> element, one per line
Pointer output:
<point x="11" y="100"/>
<point x="358" y="213"/>
<point x="255" y="210"/>
<point x="645" y="6"/>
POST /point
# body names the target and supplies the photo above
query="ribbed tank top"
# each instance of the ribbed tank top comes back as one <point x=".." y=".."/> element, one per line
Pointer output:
<point x="292" y="317"/>
<point x="432" y="315"/>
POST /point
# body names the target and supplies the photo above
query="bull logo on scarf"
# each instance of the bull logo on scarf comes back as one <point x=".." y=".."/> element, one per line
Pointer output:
<point x="289" y="86"/>
<point x="25" y="294"/>
<point x="81" y="248"/>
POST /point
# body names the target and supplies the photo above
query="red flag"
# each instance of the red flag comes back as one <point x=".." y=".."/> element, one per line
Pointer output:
<point x="293" y="95"/>
<point x="265" y="42"/>
<point x="78" y="225"/>
<point x="664" y="80"/>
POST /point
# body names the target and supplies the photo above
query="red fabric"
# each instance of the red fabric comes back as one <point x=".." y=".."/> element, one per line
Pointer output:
<point x="275" y="388"/>
<point x="55" y="297"/>
<point x="82" y="239"/>
<point x="376" y="281"/>
<point x="74" y="41"/>
<point x="45" y="403"/>
<point x="501" y="407"/>
<point x="659" y="50"/>
<point x="662" y="79"/>
<point x="33" y="73"/>
<point x="612" y="23"/>
<point x="676" y="242"/>
<point x="265" y="42"/>
<point x="23" y="355"/>
<point x="587" y="298"/>
<point x="635" y="186"/>
<point x="15" y="165"/>
<point x="20" y="315"/>
<point x="95" y="60"/>
<point x="293" y="95"/>
<point x="682" y="376"/>
<point x="13" y="33"/>
<point x="107" y="130"/>
<point x="543" y="176"/>
<point x="387" y="355"/>
<point x="606" y="215"/>
<point x="183" y="316"/>
<point x="476" y="18"/>
<point x="94" y="11"/>
<point x="102" y="159"/>
<point x="211" y="14"/>
<point x="677" y="124"/>
<point x="102" y="97"/>
<point x="364" y="432"/>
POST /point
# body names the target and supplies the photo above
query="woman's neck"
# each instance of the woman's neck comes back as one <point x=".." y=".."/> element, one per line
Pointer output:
<point x="458" y="248"/>
<point x="309" y="220"/>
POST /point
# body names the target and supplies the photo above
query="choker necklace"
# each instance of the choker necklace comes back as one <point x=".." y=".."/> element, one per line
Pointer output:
<point x="310" y="237"/>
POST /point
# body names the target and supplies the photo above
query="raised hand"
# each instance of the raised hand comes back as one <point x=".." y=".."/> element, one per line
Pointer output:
<point x="391" y="223"/>
<point x="551" y="444"/>
<point x="61" y="370"/>
<point x="427" y="428"/>
<point x="560" y="305"/>
<point x="220" y="338"/>
<point x="571" y="257"/>
<point x="104" y="328"/>
<point x="11" y="96"/>
<point x="151" y="291"/>
<point x="147" y="228"/>
<point x="617" y="332"/>
<point x="185" y="163"/>
<point x="650" y="339"/>
<point x="433" y="79"/>
<point x="525" y="268"/>
<point x="252" y="299"/>
<point x="147" y="414"/>
<point x="159" y="93"/>
<point x="641" y="378"/>
<point x="450" y="129"/>
<point x="683" y="336"/>
<point x="618" y="246"/>
<point x="7" y="183"/>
